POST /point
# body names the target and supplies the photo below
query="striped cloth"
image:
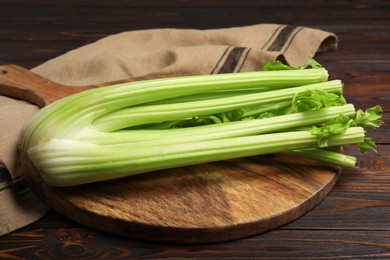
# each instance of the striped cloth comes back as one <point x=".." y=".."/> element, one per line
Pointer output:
<point x="181" y="51"/>
<point x="138" y="54"/>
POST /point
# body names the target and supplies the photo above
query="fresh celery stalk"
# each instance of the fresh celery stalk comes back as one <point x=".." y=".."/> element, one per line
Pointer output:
<point x="138" y="127"/>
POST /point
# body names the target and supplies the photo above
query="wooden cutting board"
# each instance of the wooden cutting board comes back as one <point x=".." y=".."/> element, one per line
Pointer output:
<point x="210" y="202"/>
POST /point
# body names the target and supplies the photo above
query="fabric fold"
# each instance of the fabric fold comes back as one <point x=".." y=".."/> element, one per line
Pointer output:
<point x="183" y="51"/>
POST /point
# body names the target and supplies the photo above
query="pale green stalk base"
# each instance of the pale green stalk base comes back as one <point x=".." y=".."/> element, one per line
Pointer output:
<point x="69" y="162"/>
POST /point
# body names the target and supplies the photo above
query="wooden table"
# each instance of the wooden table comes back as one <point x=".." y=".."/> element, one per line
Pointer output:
<point x="353" y="221"/>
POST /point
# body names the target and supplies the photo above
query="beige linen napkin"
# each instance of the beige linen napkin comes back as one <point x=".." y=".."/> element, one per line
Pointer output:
<point x="144" y="53"/>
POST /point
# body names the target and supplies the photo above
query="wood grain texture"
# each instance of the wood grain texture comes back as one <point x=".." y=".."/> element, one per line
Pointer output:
<point x="78" y="243"/>
<point x="197" y="204"/>
<point x="351" y="222"/>
<point x="20" y="83"/>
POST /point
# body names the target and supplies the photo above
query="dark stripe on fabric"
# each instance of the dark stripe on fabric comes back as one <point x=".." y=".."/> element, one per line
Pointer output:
<point x="292" y="38"/>
<point x="19" y="184"/>
<point x="220" y="59"/>
<point x="18" y="177"/>
<point x="272" y="36"/>
<point x="243" y="62"/>
<point x="21" y="187"/>
<point x="282" y="37"/>
<point x="5" y="176"/>
<point x="232" y="60"/>
<point x="20" y="193"/>
<point x="5" y="187"/>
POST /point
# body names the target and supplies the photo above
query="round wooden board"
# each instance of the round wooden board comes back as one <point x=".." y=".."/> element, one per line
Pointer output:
<point x="210" y="202"/>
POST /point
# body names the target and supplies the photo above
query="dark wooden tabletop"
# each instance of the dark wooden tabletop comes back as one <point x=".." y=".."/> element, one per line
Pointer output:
<point x="353" y="221"/>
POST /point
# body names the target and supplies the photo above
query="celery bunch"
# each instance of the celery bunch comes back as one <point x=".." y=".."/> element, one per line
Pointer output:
<point x="132" y="128"/>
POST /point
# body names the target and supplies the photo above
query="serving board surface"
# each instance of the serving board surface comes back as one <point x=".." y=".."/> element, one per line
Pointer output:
<point x="202" y="203"/>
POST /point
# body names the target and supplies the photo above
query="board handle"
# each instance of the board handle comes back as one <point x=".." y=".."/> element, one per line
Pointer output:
<point x="18" y="82"/>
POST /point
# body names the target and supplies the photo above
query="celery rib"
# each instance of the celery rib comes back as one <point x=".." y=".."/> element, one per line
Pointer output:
<point x="218" y="131"/>
<point x="336" y="158"/>
<point x="110" y="162"/>
<point x="138" y="115"/>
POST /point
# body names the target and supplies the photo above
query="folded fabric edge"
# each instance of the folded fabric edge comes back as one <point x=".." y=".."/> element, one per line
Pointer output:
<point x="20" y="204"/>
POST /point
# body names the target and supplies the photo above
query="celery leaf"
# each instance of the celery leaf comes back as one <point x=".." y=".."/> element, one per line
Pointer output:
<point x="370" y="118"/>
<point x="367" y="145"/>
<point x="278" y="65"/>
<point x="315" y="99"/>
<point x="327" y="131"/>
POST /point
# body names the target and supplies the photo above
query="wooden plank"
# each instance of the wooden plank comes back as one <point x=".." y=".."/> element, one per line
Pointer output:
<point x="167" y="14"/>
<point x="344" y="210"/>
<point x="84" y="243"/>
<point x="210" y="3"/>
